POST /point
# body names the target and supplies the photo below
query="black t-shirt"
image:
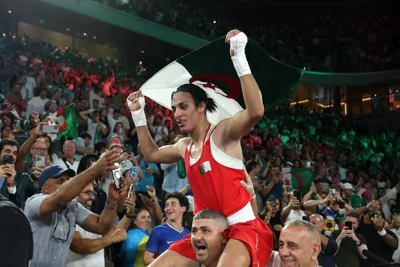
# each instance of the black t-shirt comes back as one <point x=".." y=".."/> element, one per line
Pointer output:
<point x="375" y="242"/>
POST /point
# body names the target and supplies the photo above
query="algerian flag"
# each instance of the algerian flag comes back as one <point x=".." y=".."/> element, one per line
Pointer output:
<point x="66" y="118"/>
<point x="299" y="178"/>
<point x="211" y="67"/>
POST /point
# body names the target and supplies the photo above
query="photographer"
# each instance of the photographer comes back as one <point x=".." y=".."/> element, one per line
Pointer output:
<point x="14" y="185"/>
<point x="293" y="211"/>
<point x="382" y="242"/>
<point x="351" y="245"/>
<point x="274" y="186"/>
<point x="53" y="213"/>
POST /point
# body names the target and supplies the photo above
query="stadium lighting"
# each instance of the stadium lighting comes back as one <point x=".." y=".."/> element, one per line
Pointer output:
<point x="68" y="29"/>
<point x="85" y="34"/>
<point x="214" y="21"/>
<point x="94" y="37"/>
<point x="9" y="12"/>
<point x="142" y="51"/>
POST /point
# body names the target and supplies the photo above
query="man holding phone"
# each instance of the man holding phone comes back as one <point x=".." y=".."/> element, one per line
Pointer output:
<point x="14" y="185"/>
<point x="54" y="213"/>
<point x="351" y="245"/>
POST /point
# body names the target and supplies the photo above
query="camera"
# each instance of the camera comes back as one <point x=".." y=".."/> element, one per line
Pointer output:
<point x="117" y="176"/>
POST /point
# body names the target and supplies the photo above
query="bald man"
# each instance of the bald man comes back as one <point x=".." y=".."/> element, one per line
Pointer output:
<point x="207" y="237"/>
<point x="299" y="245"/>
<point x="329" y="246"/>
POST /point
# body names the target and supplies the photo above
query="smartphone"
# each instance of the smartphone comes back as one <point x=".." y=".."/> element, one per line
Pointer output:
<point x="349" y="225"/>
<point x="332" y="191"/>
<point x="289" y="188"/>
<point x="130" y="191"/>
<point x="297" y="194"/>
<point x="117" y="175"/>
<point x="40" y="161"/>
<point x="272" y="198"/>
<point x="129" y="149"/>
<point x="134" y="174"/>
<point x="50" y="128"/>
<point x="8" y="159"/>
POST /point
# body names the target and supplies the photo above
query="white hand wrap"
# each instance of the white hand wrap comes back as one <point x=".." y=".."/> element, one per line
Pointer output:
<point x="138" y="116"/>
<point x="238" y="45"/>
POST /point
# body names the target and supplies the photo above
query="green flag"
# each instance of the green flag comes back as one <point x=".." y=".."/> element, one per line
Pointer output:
<point x="211" y="68"/>
<point x="66" y="118"/>
<point x="301" y="178"/>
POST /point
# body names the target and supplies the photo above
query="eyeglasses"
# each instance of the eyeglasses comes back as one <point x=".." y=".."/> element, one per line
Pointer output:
<point x="63" y="227"/>
<point x="90" y="193"/>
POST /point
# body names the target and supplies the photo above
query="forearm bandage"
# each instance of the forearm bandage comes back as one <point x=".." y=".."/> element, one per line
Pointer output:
<point x="238" y="45"/>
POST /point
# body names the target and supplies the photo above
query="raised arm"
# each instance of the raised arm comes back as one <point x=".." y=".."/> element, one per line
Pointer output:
<point x="242" y="122"/>
<point x="70" y="189"/>
<point x="26" y="146"/>
<point x="150" y="150"/>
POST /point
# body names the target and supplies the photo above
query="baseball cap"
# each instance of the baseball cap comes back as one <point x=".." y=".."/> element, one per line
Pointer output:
<point x="54" y="172"/>
<point x="348" y="186"/>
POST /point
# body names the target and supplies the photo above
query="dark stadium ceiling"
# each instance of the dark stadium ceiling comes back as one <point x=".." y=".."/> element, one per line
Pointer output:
<point x="127" y="42"/>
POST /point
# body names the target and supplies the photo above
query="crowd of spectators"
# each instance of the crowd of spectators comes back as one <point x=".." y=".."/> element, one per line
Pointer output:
<point x="355" y="176"/>
<point x="344" y="38"/>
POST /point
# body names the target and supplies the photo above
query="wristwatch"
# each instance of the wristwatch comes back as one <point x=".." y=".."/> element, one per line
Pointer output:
<point x="129" y="216"/>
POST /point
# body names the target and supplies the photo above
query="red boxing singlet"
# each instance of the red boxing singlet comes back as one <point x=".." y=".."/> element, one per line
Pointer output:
<point x="215" y="179"/>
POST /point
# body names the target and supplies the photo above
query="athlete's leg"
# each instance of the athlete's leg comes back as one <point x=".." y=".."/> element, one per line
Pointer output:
<point x="235" y="254"/>
<point x="173" y="259"/>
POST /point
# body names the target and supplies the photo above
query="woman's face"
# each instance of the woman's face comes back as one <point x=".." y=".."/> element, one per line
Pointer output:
<point x="119" y="127"/>
<point x="297" y="164"/>
<point x="103" y="112"/>
<point x="143" y="220"/>
<point x="277" y="206"/>
<point x="7" y="121"/>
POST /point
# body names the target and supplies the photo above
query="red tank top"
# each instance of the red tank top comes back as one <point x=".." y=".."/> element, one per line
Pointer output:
<point x="215" y="179"/>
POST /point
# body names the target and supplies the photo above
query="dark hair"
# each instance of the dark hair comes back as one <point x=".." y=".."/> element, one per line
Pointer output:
<point x="353" y="214"/>
<point x="198" y="94"/>
<point x="251" y="164"/>
<point x="8" y="142"/>
<point x="83" y="163"/>
<point x="85" y="135"/>
<point x="99" y="146"/>
<point x="115" y="127"/>
<point x="183" y="201"/>
<point x="2" y="128"/>
<point x="137" y="211"/>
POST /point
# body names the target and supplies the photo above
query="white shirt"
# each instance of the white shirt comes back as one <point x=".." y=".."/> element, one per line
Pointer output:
<point x="66" y="164"/>
<point x="29" y="86"/>
<point x="88" y="260"/>
<point x="274" y="260"/>
<point x="37" y="101"/>
<point x="294" y="216"/>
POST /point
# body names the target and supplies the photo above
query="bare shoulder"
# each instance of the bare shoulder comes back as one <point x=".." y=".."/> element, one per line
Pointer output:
<point x="182" y="145"/>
